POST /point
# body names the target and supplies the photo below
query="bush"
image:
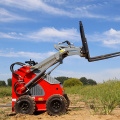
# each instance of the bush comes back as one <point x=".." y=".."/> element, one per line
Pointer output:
<point x="9" y="82"/>
<point x="72" y="82"/>
<point x="2" y="83"/>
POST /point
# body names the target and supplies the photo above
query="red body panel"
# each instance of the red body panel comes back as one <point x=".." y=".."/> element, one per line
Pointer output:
<point x="26" y="76"/>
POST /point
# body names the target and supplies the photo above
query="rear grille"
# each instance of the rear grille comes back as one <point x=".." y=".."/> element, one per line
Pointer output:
<point x="37" y="90"/>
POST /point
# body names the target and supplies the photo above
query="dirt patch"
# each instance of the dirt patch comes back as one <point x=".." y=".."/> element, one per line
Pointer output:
<point x="5" y="100"/>
<point x="80" y="114"/>
<point x="77" y="111"/>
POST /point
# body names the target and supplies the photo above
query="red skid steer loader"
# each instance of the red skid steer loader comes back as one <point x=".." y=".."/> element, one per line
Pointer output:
<point x="33" y="89"/>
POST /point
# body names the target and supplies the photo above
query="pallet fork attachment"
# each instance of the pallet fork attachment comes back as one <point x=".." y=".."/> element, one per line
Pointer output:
<point x="85" y="51"/>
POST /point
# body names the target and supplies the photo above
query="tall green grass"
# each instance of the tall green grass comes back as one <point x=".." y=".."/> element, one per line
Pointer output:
<point x="102" y="98"/>
<point x="5" y="91"/>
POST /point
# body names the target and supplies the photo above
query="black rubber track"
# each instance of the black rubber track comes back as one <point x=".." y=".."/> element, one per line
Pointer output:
<point x="56" y="105"/>
<point x="25" y="104"/>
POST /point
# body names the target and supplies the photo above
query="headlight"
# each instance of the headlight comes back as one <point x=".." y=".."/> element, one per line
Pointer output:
<point x="63" y="89"/>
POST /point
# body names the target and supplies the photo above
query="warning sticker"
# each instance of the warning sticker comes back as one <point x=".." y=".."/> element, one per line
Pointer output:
<point x="62" y="50"/>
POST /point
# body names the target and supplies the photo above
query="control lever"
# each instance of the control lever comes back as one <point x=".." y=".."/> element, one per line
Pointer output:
<point x="32" y="63"/>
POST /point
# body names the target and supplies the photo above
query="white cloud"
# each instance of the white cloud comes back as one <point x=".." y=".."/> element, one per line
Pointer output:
<point x="59" y="2"/>
<point x="6" y="16"/>
<point x="39" y="5"/>
<point x="54" y="35"/>
<point x="5" y="35"/>
<point x="112" y="33"/>
<point x="23" y="54"/>
<point x="5" y="76"/>
<point x="72" y="9"/>
<point x="12" y="35"/>
<point x="36" y="5"/>
<point x="85" y="12"/>
<point x="45" y="35"/>
<point x="110" y="38"/>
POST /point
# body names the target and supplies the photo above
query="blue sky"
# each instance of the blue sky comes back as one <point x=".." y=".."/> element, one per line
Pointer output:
<point x="30" y="28"/>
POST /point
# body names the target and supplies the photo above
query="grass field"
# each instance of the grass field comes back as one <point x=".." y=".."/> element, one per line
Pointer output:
<point x="5" y="91"/>
<point x="101" y="98"/>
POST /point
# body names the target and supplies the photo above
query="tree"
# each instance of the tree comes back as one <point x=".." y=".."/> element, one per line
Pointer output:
<point x="91" y="82"/>
<point x="2" y="83"/>
<point x="9" y="82"/>
<point x="72" y="82"/>
<point x="61" y="79"/>
<point x="84" y="80"/>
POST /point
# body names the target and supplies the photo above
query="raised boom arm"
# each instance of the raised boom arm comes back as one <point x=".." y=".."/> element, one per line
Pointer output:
<point x="63" y="51"/>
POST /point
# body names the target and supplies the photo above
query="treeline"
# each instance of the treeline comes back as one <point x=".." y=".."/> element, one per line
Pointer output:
<point x="3" y="83"/>
<point x="84" y="80"/>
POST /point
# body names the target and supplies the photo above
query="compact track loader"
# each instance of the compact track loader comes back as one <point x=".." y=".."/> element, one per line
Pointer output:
<point x="33" y="89"/>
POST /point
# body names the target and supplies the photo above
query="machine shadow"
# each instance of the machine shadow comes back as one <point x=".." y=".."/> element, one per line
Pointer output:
<point x="38" y="112"/>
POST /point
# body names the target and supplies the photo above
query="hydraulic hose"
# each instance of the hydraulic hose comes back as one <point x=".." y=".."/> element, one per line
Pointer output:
<point x="19" y="81"/>
<point x="17" y="63"/>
